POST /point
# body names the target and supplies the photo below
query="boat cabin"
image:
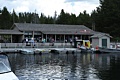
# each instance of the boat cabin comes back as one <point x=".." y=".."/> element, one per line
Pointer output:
<point x="79" y="43"/>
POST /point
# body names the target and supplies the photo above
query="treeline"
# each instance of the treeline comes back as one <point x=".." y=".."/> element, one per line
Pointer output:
<point x="7" y="18"/>
<point x="106" y="18"/>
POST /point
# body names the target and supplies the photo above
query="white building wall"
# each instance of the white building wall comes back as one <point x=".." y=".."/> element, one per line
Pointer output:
<point x="100" y="42"/>
<point x="108" y="42"/>
<point x="95" y="42"/>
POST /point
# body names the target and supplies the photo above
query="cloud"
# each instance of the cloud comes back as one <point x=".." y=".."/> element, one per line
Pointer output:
<point x="81" y="5"/>
<point x="17" y="5"/>
<point x="73" y="0"/>
<point x="89" y="1"/>
<point x="48" y="7"/>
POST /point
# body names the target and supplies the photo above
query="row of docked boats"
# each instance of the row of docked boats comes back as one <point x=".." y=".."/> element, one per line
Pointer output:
<point x="85" y="47"/>
<point x="49" y="50"/>
<point x="99" y="50"/>
<point x="34" y="51"/>
<point x="81" y="49"/>
<point x="69" y="50"/>
<point x="65" y="50"/>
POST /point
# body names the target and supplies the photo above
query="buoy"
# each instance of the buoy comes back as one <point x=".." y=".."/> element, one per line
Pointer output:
<point x="67" y="52"/>
<point x="73" y="52"/>
<point x="40" y="53"/>
<point x="57" y="52"/>
<point x="97" y="47"/>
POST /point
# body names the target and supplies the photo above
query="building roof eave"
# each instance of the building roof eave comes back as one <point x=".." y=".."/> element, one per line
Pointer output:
<point x="10" y="32"/>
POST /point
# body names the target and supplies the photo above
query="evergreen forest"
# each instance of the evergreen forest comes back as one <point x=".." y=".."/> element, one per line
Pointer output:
<point x="105" y="18"/>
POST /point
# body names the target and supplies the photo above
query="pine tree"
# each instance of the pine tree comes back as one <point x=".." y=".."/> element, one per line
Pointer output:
<point x="107" y="17"/>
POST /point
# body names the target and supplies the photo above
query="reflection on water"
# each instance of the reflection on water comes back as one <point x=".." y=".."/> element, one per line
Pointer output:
<point x="66" y="67"/>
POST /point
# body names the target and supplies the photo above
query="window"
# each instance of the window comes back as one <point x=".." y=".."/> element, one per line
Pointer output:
<point x="3" y="68"/>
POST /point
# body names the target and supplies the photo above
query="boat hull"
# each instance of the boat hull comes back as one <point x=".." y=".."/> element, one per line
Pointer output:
<point x="25" y="51"/>
<point x="107" y="50"/>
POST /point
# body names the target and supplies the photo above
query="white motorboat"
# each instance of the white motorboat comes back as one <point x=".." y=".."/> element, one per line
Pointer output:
<point x="85" y="50"/>
<point x="41" y="51"/>
<point x="5" y="69"/>
<point x="107" y="50"/>
<point x="26" y="51"/>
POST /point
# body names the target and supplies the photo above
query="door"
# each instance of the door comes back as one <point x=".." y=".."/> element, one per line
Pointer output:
<point x="104" y="43"/>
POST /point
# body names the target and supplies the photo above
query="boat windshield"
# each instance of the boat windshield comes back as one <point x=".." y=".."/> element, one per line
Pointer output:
<point x="4" y="64"/>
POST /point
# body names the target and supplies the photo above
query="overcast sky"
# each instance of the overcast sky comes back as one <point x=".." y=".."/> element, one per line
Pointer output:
<point x="48" y="7"/>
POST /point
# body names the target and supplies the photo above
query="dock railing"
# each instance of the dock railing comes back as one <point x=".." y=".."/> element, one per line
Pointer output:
<point x="35" y="45"/>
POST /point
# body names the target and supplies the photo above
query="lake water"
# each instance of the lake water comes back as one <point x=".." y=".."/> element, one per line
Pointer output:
<point x="77" y="66"/>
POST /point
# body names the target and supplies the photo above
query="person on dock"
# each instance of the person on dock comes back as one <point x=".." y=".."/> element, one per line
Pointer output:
<point x="26" y="40"/>
<point x="53" y="42"/>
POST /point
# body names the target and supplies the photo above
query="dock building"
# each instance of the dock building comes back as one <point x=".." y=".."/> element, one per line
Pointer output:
<point x="47" y="32"/>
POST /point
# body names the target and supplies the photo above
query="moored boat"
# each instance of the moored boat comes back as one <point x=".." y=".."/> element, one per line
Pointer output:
<point x="26" y="51"/>
<point x="107" y="50"/>
<point x="41" y="51"/>
<point x="85" y="50"/>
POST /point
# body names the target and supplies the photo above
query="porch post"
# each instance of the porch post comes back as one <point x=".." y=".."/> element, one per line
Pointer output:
<point x="72" y="36"/>
<point x="64" y="38"/>
<point x="89" y="37"/>
<point x="23" y="35"/>
<point x="55" y="37"/>
<point x="33" y="34"/>
<point x="42" y="35"/>
<point x="46" y="37"/>
<point x="81" y="37"/>
<point x="11" y="38"/>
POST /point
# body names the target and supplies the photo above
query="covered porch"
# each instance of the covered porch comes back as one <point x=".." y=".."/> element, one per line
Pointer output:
<point x="56" y="36"/>
<point x="63" y="37"/>
<point x="10" y="36"/>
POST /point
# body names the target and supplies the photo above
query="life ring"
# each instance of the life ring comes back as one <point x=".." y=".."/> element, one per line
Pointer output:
<point x="97" y="48"/>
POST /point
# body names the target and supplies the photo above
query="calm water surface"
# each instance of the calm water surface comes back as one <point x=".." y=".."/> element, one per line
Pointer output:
<point x="66" y="67"/>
